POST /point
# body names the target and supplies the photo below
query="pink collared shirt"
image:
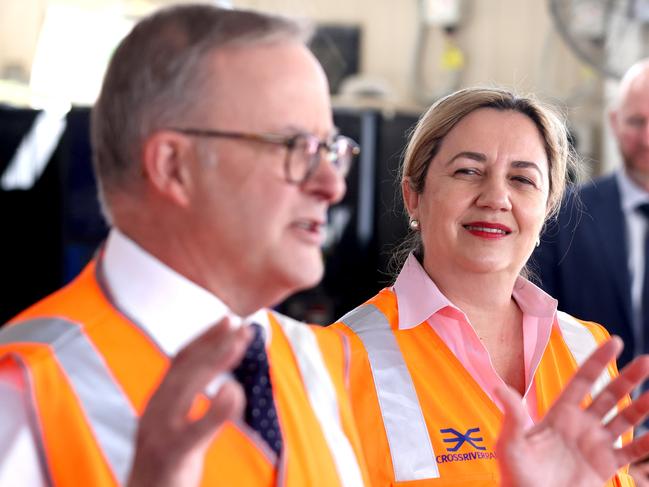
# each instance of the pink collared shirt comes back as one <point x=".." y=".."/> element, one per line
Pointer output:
<point x="420" y="300"/>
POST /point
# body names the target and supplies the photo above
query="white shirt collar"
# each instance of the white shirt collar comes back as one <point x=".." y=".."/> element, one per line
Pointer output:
<point x="631" y="195"/>
<point x="172" y="309"/>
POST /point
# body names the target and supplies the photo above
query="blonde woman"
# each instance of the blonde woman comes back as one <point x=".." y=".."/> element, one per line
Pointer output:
<point x="432" y="354"/>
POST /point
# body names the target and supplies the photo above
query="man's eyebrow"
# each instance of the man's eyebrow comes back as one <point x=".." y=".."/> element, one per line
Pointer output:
<point x="294" y="130"/>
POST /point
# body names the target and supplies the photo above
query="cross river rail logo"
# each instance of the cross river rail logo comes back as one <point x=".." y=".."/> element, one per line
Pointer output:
<point x="472" y="438"/>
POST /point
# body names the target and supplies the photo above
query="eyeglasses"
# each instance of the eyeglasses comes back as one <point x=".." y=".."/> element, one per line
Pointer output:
<point x="303" y="151"/>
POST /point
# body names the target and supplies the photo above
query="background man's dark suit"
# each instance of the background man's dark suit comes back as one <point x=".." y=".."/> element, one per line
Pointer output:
<point x="582" y="260"/>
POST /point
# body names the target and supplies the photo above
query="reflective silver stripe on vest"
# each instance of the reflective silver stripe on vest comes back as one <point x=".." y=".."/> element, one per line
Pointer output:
<point x="411" y="449"/>
<point x="322" y="396"/>
<point x="108" y="411"/>
<point x="582" y="343"/>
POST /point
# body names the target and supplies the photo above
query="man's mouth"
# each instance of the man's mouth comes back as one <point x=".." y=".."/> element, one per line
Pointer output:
<point x="310" y="225"/>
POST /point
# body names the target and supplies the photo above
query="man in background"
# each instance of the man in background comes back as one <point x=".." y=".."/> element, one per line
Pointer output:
<point x="594" y="258"/>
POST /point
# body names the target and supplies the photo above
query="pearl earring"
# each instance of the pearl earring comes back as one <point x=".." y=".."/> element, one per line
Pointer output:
<point x="414" y="225"/>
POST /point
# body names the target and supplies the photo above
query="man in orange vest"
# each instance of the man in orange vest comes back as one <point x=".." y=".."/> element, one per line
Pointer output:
<point x="217" y="161"/>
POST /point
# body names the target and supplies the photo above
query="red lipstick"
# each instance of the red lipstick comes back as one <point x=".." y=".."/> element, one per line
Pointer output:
<point x="488" y="230"/>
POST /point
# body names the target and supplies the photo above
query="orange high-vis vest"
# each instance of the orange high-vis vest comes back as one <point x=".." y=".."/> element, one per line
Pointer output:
<point x="90" y="372"/>
<point x="422" y="418"/>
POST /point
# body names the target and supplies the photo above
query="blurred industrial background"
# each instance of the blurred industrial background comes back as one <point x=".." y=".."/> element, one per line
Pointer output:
<point x="386" y="60"/>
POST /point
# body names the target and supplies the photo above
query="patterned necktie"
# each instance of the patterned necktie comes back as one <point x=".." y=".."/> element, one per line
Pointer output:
<point x="252" y="373"/>
<point x="644" y="303"/>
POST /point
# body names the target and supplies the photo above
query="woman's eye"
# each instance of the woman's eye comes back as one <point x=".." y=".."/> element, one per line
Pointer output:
<point x="524" y="180"/>
<point x="467" y="171"/>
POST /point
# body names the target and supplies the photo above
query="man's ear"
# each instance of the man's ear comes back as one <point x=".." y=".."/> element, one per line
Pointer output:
<point x="410" y="198"/>
<point x="166" y="162"/>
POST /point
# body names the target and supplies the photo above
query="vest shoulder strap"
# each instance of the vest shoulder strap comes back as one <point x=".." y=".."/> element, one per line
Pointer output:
<point x="582" y="341"/>
<point x="411" y="448"/>
<point x="106" y="409"/>
<point x="322" y="397"/>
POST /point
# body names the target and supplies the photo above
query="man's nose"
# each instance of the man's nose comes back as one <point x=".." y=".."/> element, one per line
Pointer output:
<point x="326" y="181"/>
<point x="645" y="134"/>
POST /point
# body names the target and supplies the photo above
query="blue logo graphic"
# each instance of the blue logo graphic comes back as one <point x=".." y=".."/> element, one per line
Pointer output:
<point x="459" y="439"/>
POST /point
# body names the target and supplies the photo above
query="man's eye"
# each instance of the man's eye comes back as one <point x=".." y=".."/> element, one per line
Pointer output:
<point x="637" y="121"/>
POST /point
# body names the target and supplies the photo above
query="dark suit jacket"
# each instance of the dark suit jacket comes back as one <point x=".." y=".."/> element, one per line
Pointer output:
<point x="582" y="260"/>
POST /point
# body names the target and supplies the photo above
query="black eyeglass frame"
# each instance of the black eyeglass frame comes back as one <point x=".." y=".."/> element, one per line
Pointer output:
<point x="290" y="142"/>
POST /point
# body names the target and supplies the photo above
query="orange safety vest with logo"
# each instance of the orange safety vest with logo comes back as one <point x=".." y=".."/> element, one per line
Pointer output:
<point x="90" y="371"/>
<point x="422" y="418"/>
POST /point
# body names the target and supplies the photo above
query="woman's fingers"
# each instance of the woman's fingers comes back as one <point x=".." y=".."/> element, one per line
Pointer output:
<point x="582" y="382"/>
<point x="629" y="416"/>
<point x="630" y="377"/>
<point x="633" y="452"/>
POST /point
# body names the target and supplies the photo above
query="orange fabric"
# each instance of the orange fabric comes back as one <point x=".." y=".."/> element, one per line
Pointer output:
<point x="58" y="419"/>
<point x="296" y="417"/>
<point x="449" y="398"/>
<point x="137" y="365"/>
<point x="84" y="302"/>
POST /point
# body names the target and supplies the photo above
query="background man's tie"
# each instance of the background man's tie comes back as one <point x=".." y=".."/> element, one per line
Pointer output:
<point x="644" y="303"/>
